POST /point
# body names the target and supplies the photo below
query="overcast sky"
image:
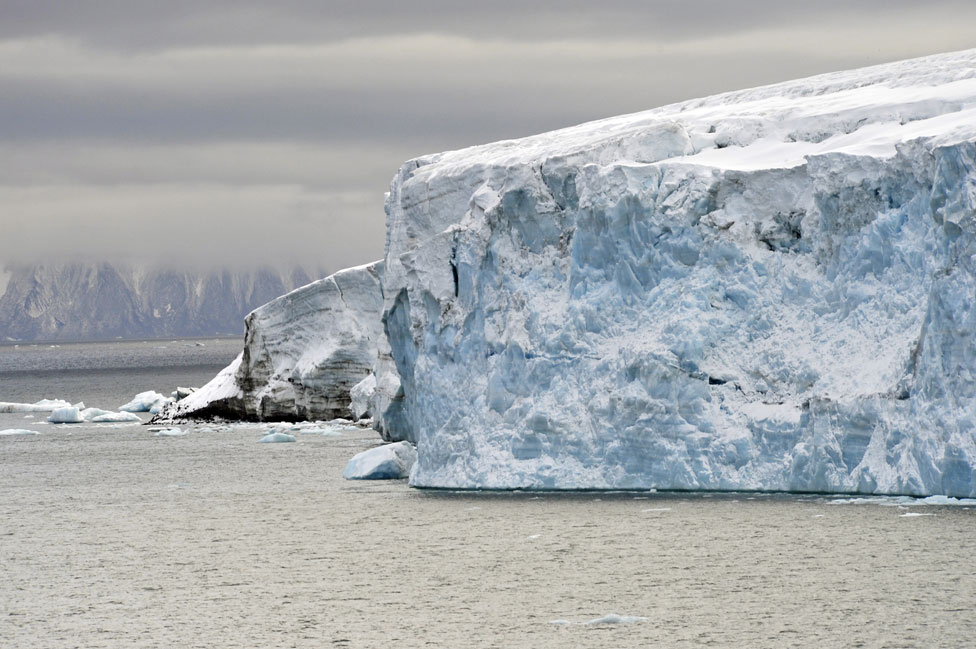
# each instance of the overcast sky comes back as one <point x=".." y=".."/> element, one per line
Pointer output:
<point x="238" y="132"/>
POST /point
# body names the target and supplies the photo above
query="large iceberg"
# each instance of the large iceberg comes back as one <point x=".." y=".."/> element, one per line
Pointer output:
<point x="303" y="354"/>
<point x="768" y="289"/>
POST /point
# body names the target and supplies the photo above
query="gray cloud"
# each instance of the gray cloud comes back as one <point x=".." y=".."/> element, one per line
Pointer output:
<point x="212" y="132"/>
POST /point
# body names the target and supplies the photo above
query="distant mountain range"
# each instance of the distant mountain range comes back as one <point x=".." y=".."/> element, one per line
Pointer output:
<point x="105" y="301"/>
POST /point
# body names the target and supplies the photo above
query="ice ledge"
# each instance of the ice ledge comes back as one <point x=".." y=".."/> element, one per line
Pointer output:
<point x="763" y="290"/>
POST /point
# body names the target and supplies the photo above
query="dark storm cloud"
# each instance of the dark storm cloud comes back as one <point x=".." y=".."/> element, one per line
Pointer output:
<point x="216" y="131"/>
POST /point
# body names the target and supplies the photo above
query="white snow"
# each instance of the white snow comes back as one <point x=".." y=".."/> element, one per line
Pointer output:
<point x="769" y="289"/>
<point x="145" y="402"/>
<point x="17" y="431"/>
<point x="69" y="415"/>
<point x="277" y="438"/>
<point x="44" y="405"/>
<point x="386" y="462"/>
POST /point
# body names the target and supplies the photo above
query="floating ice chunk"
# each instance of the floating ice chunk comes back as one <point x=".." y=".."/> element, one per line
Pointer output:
<point x="171" y="432"/>
<point x="17" y="431"/>
<point x="387" y="462"/>
<point x="90" y="413"/>
<point x="69" y="415"/>
<point x="44" y="405"/>
<point x="946" y="501"/>
<point x="144" y="402"/>
<point x="914" y="514"/>
<point x="116" y="418"/>
<point x="611" y="618"/>
<point x="276" y="437"/>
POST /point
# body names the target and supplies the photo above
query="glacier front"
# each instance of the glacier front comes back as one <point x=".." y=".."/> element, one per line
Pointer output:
<point x="303" y="354"/>
<point x="771" y="289"/>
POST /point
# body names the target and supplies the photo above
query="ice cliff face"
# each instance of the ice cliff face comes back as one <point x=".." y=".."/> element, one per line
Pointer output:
<point x="303" y="353"/>
<point x="85" y="301"/>
<point x="769" y="289"/>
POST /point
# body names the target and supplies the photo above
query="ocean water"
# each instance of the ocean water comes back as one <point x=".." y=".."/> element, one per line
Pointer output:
<point x="118" y="537"/>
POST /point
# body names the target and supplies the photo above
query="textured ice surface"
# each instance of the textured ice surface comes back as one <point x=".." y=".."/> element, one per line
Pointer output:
<point x="144" y="402"/>
<point x="766" y="289"/>
<point x="116" y="418"/>
<point x="387" y="462"/>
<point x="276" y="437"/>
<point x="69" y="415"/>
<point x="303" y="353"/>
<point x="44" y="405"/>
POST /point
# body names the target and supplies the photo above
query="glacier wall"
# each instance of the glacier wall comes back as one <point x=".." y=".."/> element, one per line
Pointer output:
<point x="303" y="354"/>
<point x="771" y="289"/>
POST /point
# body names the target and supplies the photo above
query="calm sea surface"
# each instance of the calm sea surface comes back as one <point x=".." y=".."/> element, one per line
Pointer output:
<point x="117" y="537"/>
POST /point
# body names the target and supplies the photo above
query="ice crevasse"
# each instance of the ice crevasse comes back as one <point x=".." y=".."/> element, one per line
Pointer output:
<point x="767" y="289"/>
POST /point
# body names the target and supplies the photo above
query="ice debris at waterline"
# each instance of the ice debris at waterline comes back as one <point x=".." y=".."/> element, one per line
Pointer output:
<point x="44" y="405"/>
<point x="303" y="353"/>
<point x="169" y="432"/>
<point x="69" y="415"/>
<point x="145" y="402"/>
<point x="769" y="289"/>
<point x="10" y="432"/>
<point x="116" y="418"/>
<point x="277" y="438"/>
<point x="387" y="462"/>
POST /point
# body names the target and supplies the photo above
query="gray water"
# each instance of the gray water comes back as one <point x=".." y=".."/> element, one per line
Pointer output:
<point x="115" y="537"/>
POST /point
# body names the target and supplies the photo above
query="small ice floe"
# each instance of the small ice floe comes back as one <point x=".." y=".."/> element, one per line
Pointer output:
<point x="10" y="432"/>
<point x="69" y="415"/>
<point x="818" y="515"/>
<point x="914" y="514"/>
<point x="657" y="509"/>
<point x="90" y="413"/>
<point x="387" y="462"/>
<point x="44" y="405"/>
<point x="534" y="536"/>
<point x="326" y="428"/>
<point x="169" y="432"/>
<point x="116" y="418"/>
<point x="276" y="438"/>
<point x="145" y="402"/>
<point x="612" y="618"/>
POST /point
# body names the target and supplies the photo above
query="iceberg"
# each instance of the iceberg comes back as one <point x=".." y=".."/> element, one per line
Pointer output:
<point x="44" y="405"/>
<point x="386" y="462"/>
<point x="303" y="354"/>
<point x="145" y="402"/>
<point x="275" y="437"/>
<point x="116" y="418"/>
<point x="69" y="415"/>
<point x="769" y="289"/>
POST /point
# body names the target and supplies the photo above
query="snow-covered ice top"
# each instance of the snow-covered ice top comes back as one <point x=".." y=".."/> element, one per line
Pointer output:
<point x="765" y="289"/>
